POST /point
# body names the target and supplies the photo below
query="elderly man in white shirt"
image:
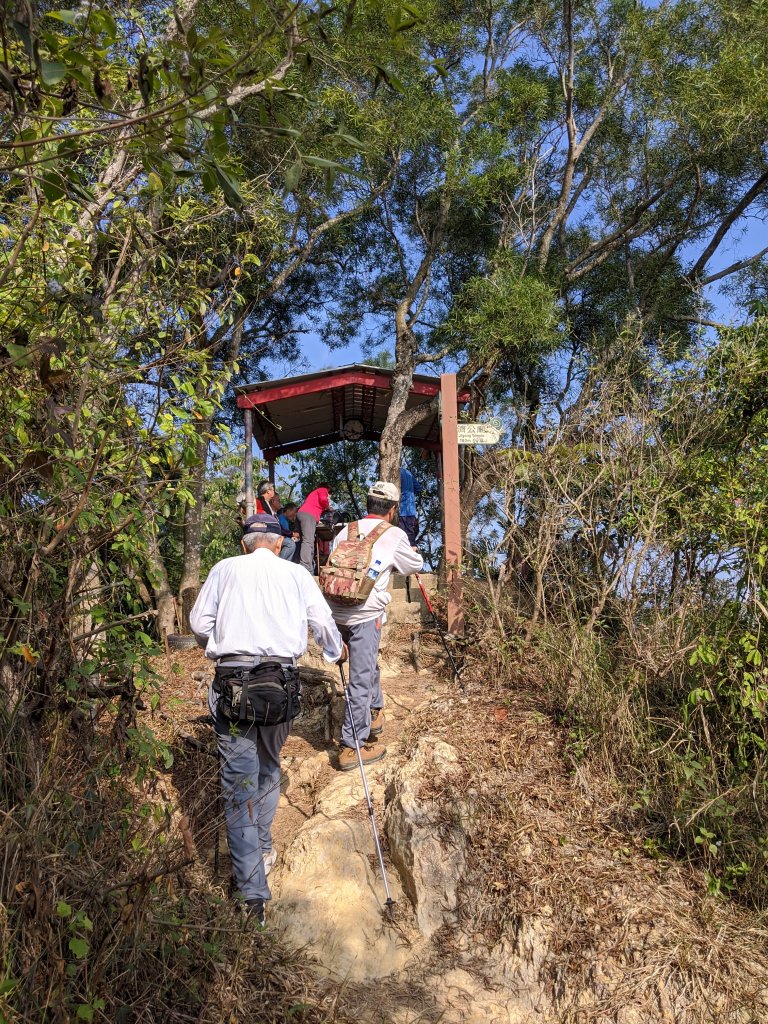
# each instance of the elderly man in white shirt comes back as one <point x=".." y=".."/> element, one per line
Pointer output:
<point x="253" y="610"/>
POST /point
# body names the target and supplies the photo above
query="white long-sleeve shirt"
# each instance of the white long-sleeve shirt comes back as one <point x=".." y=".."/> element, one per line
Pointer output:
<point x="258" y="604"/>
<point x="394" y="551"/>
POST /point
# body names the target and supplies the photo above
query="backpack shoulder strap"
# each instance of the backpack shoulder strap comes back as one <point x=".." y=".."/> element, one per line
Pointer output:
<point x="378" y="531"/>
<point x="358" y="535"/>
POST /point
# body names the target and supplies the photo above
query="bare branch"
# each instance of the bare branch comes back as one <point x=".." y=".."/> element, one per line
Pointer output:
<point x="725" y="225"/>
<point x="735" y="267"/>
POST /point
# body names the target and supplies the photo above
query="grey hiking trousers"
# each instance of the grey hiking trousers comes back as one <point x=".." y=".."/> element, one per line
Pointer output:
<point x="308" y="527"/>
<point x="364" y="680"/>
<point x="249" y="766"/>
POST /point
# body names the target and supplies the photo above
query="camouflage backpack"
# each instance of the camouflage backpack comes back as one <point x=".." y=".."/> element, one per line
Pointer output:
<point x="348" y="577"/>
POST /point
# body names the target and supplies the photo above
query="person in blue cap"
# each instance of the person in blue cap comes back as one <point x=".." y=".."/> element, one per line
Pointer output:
<point x="252" y="611"/>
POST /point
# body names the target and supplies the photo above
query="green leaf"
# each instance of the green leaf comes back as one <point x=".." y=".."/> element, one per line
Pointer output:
<point x="20" y="355"/>
<point x="389" y="79"/>
<point x="328" y="165"/>
<point x="292" y="176"/>
<point x="63" y="909"/>
<point x="85" y="1011"/>
<point x="79" y="947"/>
<point x="229" y="187"/>
<point x="117" y="499"/>
<point x="272" y="129"/>
<point x="68" y="17"/>
<point x="52" y="185"/>
<point x="350" y="140"/>
<point x="28" y="40"/>
<point x="105" y="23"/>
<point x="52" y="71"/>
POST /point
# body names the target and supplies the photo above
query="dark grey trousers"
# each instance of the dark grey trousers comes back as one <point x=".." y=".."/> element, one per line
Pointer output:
<point x="249" y="766"/>
<point x="308" y="525"/>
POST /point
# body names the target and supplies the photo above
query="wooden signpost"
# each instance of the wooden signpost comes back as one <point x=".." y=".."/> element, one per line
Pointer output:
<point x="451" y="507"/>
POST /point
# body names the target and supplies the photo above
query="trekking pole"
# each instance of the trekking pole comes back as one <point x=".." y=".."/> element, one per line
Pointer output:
<point x="390" y="903"/>
<point x="441" y="634"/>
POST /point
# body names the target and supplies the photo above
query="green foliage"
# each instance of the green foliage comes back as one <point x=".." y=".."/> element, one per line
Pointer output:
<point x="145" y="231"/>
<point x="503" y="314"/>
<point x="348" y="467"/>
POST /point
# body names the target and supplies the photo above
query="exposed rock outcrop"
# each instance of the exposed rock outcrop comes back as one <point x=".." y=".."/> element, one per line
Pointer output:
<point x="428" y="851"/>
<point x="328" y="892"/>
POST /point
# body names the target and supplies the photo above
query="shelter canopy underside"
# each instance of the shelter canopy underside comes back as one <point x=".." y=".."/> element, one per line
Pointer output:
<point x="296" y="413"/>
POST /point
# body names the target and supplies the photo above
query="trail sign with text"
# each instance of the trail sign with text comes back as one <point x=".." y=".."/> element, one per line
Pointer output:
<point x="479" y="433"/>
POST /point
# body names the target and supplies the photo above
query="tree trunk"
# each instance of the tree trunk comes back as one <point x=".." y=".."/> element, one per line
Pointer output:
<point x="399" y="422"/>
<point x="189" y="587"/>
<point x="391" y="443"/>
<point x="161" y="590"/>
<point x="166" y="610"/>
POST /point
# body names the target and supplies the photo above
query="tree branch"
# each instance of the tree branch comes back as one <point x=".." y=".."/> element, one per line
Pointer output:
<point x="725" y="225"/>
<point x="734" y="267"/>
<point x="242" y="92"/>
<point x="29" y="227"/>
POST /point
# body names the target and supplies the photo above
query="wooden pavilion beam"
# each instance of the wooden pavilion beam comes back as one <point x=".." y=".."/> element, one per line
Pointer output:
<point x="323" y="439"/>
<point x="249" y="399"/>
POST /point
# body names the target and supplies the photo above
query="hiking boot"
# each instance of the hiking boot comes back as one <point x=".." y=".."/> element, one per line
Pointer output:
<point x="377" y="721"/>
<point x="369" y="752"/>
<point x="255" y="910"/>
<point x="269" y="857"/>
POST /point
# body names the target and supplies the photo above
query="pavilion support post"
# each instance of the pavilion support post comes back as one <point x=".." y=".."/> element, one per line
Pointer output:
<point x="271" y="468"/>
<point x="451" y="505"/>
<point x="250" y="504"/>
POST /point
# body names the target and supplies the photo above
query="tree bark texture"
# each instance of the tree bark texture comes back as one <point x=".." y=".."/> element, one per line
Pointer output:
<point x="190" y="584"/>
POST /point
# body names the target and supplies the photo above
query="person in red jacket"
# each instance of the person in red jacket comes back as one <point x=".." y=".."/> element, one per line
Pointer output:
<point x="315" y="503"/>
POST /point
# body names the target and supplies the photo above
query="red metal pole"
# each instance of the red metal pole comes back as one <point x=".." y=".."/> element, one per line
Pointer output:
<point x="250" y="502"/>
<point x="451" y="508"/>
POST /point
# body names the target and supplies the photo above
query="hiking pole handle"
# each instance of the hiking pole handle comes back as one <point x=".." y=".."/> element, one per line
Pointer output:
<point x="428" y="603"/>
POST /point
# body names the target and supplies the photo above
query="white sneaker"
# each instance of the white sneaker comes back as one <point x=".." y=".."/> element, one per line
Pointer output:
<point x="269" y="857"/>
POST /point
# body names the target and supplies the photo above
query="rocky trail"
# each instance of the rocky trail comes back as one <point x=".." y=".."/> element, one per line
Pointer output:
<point x="328" y="896"/>
<point x="520" y="897"/>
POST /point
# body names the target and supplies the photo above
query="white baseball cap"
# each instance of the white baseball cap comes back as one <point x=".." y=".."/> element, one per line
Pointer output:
<point x="385" y="491"/>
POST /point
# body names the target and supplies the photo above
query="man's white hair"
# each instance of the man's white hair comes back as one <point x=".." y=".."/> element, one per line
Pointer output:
<point x="251" y="541"/>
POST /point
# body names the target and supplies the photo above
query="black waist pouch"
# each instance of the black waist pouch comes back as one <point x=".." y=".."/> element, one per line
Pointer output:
<point x="269" y="694"/>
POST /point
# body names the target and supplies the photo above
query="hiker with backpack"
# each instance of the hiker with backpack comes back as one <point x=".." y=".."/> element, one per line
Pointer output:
<point x="354" y="581"/>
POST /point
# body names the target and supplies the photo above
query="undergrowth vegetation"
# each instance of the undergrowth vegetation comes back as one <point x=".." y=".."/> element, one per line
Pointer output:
<point x="574" y="911"/>
<point x="107" y="909"/>
<point x="636" y="544"/>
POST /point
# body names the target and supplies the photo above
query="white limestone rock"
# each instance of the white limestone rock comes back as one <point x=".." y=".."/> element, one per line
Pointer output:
<point x="430" y="859"/>
<point x="329" y="899"/>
